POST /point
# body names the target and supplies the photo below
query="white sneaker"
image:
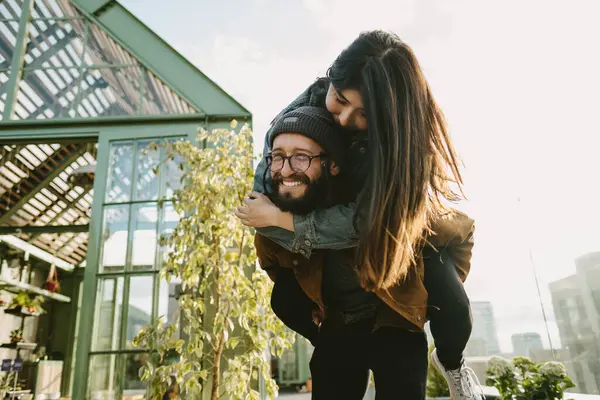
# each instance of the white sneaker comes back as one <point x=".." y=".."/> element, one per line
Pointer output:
<point x="462" y="382"/>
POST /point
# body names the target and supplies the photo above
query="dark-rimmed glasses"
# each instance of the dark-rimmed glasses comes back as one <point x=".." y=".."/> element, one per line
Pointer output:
<point x="297" y="162"/>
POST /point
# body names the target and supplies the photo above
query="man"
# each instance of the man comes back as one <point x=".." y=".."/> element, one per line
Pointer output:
<point x="359" y="332"/>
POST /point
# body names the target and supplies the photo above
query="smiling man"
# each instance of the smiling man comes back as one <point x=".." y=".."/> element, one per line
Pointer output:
<point x="307" y="149"/>
<point x="320" y="297"/>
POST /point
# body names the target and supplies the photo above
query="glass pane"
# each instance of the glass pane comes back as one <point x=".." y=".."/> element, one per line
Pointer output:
<point x="168" y="306"/>
<point x="107" y="322"/>
<point x="144" y="236"/>
<point x="8" y="35"/>
<point x="173" y="174"/>
<point x="140" y="306"/>
<point x="103" y="377"/>
<point x="114" y="238"/>
<point x="132" y="385"/>
<point x="53" y="8"/>
<point x="169" y="221"/>
<point x="120" y="93"/>
<point x="102" y="49"/>
<point x="3" y="79"/>
<point x="147" y="180"/>
<point x="57" y="42"/>
<point x="120" y="172"/>
<point x="47" y="93"/>
<point x="158" y="98"/>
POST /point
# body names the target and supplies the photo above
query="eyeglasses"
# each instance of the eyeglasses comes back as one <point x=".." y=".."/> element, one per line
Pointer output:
<point x="297" y="162"/>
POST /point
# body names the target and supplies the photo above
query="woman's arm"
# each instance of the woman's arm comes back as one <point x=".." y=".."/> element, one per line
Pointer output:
<point x="330" y="228"/>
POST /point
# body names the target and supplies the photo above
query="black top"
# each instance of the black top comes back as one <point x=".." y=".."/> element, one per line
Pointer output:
<point x="342" y="291"/>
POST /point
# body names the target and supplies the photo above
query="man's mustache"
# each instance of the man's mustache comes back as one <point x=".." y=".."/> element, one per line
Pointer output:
<point x="278" y="178"/>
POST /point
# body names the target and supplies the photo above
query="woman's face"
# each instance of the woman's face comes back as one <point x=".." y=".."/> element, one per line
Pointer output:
<point x="347" y="108"/>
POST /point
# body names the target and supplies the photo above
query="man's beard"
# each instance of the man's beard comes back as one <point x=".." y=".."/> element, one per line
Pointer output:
<point x="315" y="195"/>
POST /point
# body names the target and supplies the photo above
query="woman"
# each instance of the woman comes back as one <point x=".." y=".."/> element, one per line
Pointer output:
<point x="404" y="164"/>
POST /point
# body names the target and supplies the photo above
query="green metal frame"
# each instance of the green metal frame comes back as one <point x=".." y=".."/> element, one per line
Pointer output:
<point x="154" y="54"/>
<point x="17" y="60"/>
<point x="217" y="109"/>
<point x="92" y="275"/>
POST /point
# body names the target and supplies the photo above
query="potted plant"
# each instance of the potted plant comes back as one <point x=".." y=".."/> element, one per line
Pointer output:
<point x="523" y="379"/>
<point x="26" y="304"/>
<point x="16" y="336"/>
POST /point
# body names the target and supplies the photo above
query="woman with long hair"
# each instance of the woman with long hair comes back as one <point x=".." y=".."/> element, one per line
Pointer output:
<point x="405" y="170"/>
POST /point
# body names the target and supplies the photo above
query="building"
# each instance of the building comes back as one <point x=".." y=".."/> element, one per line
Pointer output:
<point x="576" y="303"/>
<point x="85" y="87"/>
<point x="484" y="339"/>
<point x="525" y="344"/>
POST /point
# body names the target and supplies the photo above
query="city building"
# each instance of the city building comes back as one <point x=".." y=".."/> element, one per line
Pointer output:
<point x="576" y="303"/>
<point x="525" y="344"/>
<point x="484" y="339"/>
<point x="85" y="88"/>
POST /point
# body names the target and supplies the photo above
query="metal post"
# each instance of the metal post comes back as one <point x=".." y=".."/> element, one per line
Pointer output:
<point x="82" y="67"/>
<point x="17" y="61"/>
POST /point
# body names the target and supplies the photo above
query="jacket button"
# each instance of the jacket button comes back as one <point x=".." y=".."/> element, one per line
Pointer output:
<point x="362" y="149"/>
<point x="295" y="262"/>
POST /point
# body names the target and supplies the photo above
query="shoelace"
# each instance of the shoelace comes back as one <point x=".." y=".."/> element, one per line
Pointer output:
<point x="466" y="374"/>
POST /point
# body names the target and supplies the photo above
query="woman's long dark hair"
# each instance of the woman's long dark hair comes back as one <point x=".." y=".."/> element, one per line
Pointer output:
<point x="412" y="163"/>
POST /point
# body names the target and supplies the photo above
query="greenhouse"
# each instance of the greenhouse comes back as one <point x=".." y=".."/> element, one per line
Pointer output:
<point x="85" y="87"/>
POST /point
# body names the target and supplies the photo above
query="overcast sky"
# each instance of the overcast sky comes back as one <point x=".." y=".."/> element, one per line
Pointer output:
<point x="519" y="83"/>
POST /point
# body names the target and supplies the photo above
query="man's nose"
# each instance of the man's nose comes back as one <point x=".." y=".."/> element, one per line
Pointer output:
<point x="287" y="170"/>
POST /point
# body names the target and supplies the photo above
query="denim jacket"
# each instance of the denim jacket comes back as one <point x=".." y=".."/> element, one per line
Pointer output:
<point x="331" y="228"/>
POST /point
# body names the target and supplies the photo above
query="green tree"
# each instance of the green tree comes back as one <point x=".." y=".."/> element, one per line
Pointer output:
<point x="224" y="309"/>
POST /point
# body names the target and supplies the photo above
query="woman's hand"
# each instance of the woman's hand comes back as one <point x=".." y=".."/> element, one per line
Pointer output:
<point x="258" y="211"/>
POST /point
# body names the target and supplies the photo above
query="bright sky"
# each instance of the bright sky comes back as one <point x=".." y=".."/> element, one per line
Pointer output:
<point x="518" y="81"/>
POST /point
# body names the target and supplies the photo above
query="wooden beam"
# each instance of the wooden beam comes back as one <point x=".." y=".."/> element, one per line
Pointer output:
<point x="76" y="228"/>
<point x="60" y="167"/>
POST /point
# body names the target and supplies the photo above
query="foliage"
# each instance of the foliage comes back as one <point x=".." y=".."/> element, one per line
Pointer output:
<point x="523" y="379"/>
<point x="16" y="335"/>
<point x="436" y="383"/>
<point x="224" y="305"/>
<point x="33" y="304"/>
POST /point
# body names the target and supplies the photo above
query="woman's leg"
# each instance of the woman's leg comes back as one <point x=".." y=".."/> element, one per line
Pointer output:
<point x="398" y="358"/>
<point x="339" y="365"/>
<point x="449" y="308"/>
<point x="292" y="306"/>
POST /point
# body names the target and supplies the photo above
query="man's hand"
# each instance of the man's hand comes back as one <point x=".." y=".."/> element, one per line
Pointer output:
<point x="258" y="211"/>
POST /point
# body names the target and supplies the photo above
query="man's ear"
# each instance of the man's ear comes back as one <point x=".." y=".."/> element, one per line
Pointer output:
<point x="334" y="169"/>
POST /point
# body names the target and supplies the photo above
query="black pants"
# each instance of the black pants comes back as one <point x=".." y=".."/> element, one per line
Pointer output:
<point x="344" y="355"/>
<point x="292" y="305"/>
<point x="450" y="311"/>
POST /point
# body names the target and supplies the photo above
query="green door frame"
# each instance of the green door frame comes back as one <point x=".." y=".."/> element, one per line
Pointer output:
<point x="108" y="135"/>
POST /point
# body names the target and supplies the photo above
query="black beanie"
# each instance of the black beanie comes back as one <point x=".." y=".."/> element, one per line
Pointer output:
<point x="316" y="124"/>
